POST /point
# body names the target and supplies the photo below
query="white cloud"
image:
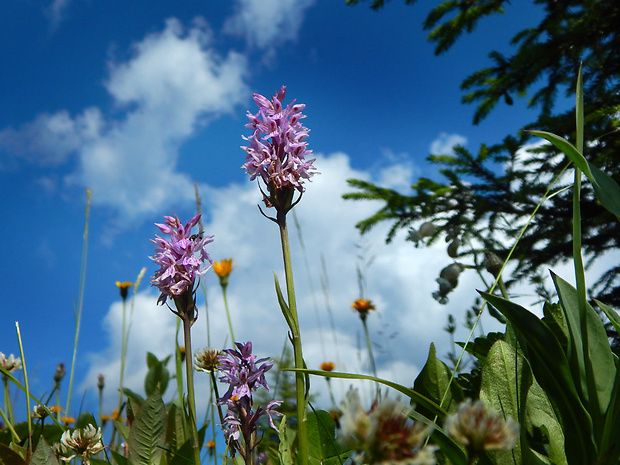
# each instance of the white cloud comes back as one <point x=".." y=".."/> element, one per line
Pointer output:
<point x="167" y="89"/>
<point x="400" y="281"/>
<point x="444" y="144"/>
<point x="266" y="24"/>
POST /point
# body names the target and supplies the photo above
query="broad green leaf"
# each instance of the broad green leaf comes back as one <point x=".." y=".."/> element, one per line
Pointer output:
<point x="157" y="377"/>
<point x="119" y="459"/>
<point x="541" y="415"/>
<point x="610" y="313"/>
<point x="416" y="397"/>
<point x="9" y="457"/>
<point x="324" y="449"/>
<point x="84" y="420"/>
<point x="147" y="434"/>
<point x="550" y="367"/>
<point x="137" y="398"/>
<point x="285" y="448"/>
<point x="43" y="455"/>
<point x="175" y="431"/>
<point x="480" y="347"/>
<point x="122" y="429"/>
<point x="610" y="443"/>
<point x="434" y="383"/>
<point x="593" y="364"/>
<point x="506" y="380"/>
<point x="606" y="189"/>
<point x="554" y="320"/>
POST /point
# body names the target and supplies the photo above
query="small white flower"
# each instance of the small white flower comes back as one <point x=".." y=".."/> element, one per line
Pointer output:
<point x="83" y="442"/>
<point x="10" y="363"/>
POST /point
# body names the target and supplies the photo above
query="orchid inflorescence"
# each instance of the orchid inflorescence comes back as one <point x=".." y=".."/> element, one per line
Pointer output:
<point x="277" y="151"/>
<point x="244" y="373"/>
<point x="182" y="258"/>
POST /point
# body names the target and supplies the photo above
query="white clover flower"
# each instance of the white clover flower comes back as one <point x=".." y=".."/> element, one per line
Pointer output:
<point x="384" y="435"/>
<point x="83" y="442"/>
<point x="10" y="363"/>
<point x="481" y="429"/>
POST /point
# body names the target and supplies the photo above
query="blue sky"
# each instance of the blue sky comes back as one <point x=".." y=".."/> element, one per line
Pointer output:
<point x="140" y="100"/>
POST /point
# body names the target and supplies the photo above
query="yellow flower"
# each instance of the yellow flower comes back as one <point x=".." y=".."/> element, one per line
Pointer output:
<point x="222" y="270"/>
<point x="328" y="366"/>
<point x="124" y="288"/>
<point x="362" y="306"/>
<point x="67" y="420"/>
<point x="210" y="445"/>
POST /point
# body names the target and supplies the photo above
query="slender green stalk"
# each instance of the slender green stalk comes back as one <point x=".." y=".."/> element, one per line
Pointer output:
<point x="9" y="425"/>
<point x="123" y="355"/>
<point x="230" y="326"/>
<point x="373" y="367"/>
<point x="7" y="399"/>
<point x="78" y="310"/>
<point x="302" y="429"/>
<point x="21" y="354"/>
<point x="189" y="373"/>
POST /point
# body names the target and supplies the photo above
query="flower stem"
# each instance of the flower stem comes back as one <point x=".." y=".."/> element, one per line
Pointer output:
<point x="302" y="429"/>
<point x="21" y="353"/>
<point x="232" y="334"/>
<point x="189" y="372"/>
<point x="7" y="399"/>
<point x="123" y="355"/>
<point x="373" y="367"/>
<point x="80" y="303"/>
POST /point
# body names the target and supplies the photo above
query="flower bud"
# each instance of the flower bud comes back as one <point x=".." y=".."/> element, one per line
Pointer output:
<point x="453" y="248"/>
<point x="492" y="263"/>
<point x="427" y="229"/>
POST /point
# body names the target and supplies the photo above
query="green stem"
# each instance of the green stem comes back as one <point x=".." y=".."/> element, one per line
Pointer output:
<point x="189" y="372"/>
<point x="302" y="429"/>
<point x="7" y="400"/>
<point x="373" y="367"/>
<point x="232" y="334"/>
<point x="78" y="310"/>
<point x="9" y="426"/>
<point x="123" y="354"/>
<point x="21" y="353"/>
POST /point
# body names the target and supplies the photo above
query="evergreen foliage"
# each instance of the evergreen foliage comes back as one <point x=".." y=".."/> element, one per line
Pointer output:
<point x="486" y="197"/>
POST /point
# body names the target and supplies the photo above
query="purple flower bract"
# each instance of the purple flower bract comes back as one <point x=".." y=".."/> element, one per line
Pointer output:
<point x="181" y="259"/>
<point x="277" y="147"/>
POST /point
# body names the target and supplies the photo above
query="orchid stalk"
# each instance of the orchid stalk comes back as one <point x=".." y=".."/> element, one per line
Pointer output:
<point x="277" y="156"/>
<point x="183" y="260"/>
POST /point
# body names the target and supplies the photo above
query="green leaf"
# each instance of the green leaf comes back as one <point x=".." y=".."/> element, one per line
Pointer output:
<point x="506" y="380"/>
<point x="119" y="459"/>
<point x="610" y="313"/>
<point x="147" y="434"/>
<point x="283" y="305"/>
<point x="606" y="189"/>
<point x="550" y="367"/>
<point x="541" y="414"/>
<point x="324" y="449"/>
<point x="137" y="398"/>
<point x="9" y="457"/>
<point x="434" y="383"/>
<point x="592" y="361"/>
<point x="285" y="448"/>
<point x="157" y="377"/>
<point x="416" y="397"/>
<point x="43" y="455"/>
<point x="122" y="429"/>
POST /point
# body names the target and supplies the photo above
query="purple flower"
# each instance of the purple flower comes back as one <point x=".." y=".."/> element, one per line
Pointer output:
<point x="181" y="259"/>
<point x="241" y="371"/>
<point x="277" y="147"/>
<point x="244" y="373"/>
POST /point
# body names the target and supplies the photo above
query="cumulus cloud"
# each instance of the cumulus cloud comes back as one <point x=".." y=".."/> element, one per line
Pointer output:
<point x="399" y="279"/>
<point x="165" y="91"/>
<point x="266" y="24"/>
<point x="444" y="144"/>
